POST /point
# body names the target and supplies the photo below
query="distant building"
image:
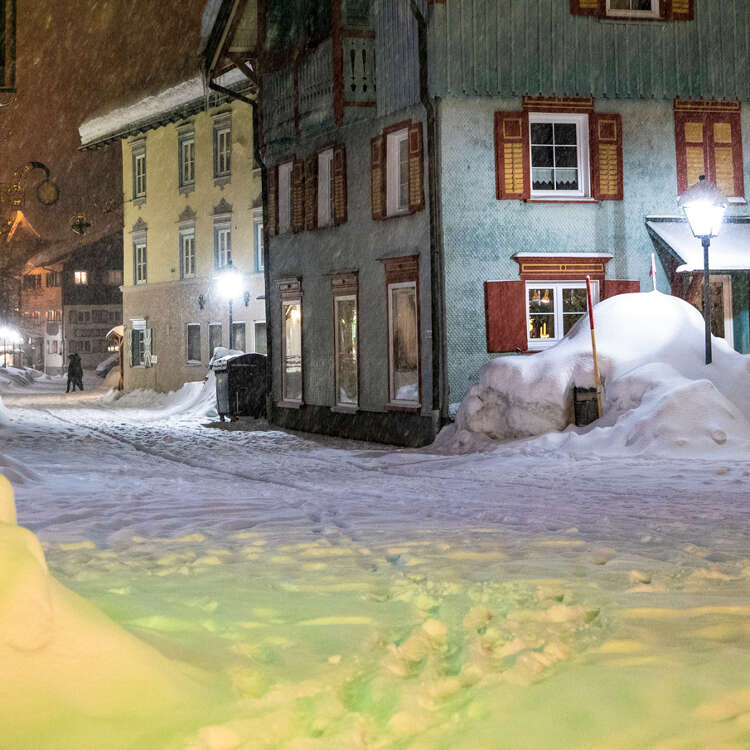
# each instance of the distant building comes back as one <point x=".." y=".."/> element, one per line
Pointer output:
<point x="70" y="299"/>
<point x="192" y="210"/>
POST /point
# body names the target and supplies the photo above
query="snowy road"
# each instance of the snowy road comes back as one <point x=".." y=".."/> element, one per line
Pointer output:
<point x="356" y="596"/>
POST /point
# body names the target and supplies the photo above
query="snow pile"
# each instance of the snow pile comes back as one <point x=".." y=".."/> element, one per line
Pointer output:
<point x="195" y="400"/>
<point x="62" y="657"/>
<point x="659" y="394"/>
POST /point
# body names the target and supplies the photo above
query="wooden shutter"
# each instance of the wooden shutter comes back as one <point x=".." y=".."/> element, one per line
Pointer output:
<point x="273" y="201"/>
<point x="377" y="177"/>
<point x="679" y="10"/>
<point x="340" y="198"/>
<point x="690" y="141"/>
<point x="505" y="316"/>
<point x="298" y="195"/>
<point x="416" y="168"/>
<point x="512" y="171"/>
<point x="585" y="7"/>
<point x="724" y="143"/>
<point x="606" y="157"/>
<point x="615" y="287"/>
<point x="311" y="192"/>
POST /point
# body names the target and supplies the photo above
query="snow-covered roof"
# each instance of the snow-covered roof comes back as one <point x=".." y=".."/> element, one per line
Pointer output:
<point x="730" y="251"/>
<point x="152" y="111"/>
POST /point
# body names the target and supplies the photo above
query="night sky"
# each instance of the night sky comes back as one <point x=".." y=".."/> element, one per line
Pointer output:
<point x="77" y="58"/>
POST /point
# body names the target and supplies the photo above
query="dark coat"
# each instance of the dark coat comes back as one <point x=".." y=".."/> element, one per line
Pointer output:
<point x="75" y="368"/>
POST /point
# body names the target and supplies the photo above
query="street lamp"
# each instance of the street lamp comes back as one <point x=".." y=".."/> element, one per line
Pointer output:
<point x="229" y="284"/>
<point x="704" y="205"/>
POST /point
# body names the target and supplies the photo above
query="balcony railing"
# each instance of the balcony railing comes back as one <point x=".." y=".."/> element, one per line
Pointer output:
<point x="316" y="82"/>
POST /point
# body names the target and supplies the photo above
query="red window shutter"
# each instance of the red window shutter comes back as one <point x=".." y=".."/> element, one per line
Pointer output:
<point x="606" y="157"/>
<point x="340" y="199"/>
<point x="273" y="201"/>
<point x="614" y="287"/>
<point x="512" y="171"/>
<point x="416" y="169"/>
<point x="724" y="142"/>
<point x="311" y="192"/>
<point x="298" y="196"/>
<point x="377" y="177"/>
<point x="586" y="8"/>
<point x="505" y="316"/>
<point x="690" y="143"/>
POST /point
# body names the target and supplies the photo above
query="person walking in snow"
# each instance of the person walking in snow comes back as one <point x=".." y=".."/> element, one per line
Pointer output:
<point x="75" y="372"/>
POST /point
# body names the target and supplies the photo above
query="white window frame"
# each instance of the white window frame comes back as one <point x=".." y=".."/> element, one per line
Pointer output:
<point x="258" y="232"/>
<point x="223" y="146"/>
<point x="141" y="259"/>
<point x="81" y="278"/>
<point x="187" y="252"/>
<point x="285" y="197"/>
<point x="337" y="298"/>
<point x="582" y="144"/>
<point x="223" y="239"/>
<point x="188" y="360"/>
<point x="284" y="303"/>
<point x="187" y="160"/>
<point x="557" y="287"/>
<point x="391" y="382"/>
<point x="625" y="13"/>
<point x="139" y="174"/>
<point x="394" y="173"/>
<point x="325" y="188"/>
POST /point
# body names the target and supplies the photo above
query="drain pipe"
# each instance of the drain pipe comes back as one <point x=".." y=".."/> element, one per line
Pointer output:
<point x="437" y="267"/>
<point x="266" y="265"/>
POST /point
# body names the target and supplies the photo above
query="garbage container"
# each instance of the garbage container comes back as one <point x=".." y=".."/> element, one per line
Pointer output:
<point x="584" y="406"/>
<point x="240" y="385"/>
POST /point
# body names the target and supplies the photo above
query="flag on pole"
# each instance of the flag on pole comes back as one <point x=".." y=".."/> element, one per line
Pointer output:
<point x="652" y="272"/>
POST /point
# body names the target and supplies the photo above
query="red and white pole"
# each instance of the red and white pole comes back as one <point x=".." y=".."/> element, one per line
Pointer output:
<point x="597" y="383"/>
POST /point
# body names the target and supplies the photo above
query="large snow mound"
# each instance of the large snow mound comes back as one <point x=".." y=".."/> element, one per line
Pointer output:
<point x="659" y="394"/>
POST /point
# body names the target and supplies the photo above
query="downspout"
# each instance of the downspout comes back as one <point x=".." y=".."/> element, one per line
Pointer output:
<point x="437" y="266"/>
<point x="266" y="266"/>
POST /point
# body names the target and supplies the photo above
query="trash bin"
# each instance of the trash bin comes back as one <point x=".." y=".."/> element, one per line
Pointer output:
<point x="584" y="406"/>
<point x="240" y="385"/>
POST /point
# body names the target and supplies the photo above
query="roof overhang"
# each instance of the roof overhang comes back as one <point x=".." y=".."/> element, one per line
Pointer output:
<point x="730" y="251"/>
<point x="233" y="37"/>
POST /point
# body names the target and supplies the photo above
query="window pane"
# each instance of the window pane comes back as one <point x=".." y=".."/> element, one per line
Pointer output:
<point x="214" y="337"/>
<point x="238" y="336"/>
<point x="574" y="300"/>
<point x="260" y="338"/>
<point x="541" y="179"/>
<point x="565" y="133"/>
<point x="541" y="300"/>
<point x="404" y="345"/>
<point x="403" y="154"/>
<point x="291" y="315"/>
<point x="542" y="156"/>
<point x="541" y="133"/>
<point x="566" y="179"/>
<point x="566" y="156"/>
<point x="541" y="326"/>
<point x="346" y="351"/>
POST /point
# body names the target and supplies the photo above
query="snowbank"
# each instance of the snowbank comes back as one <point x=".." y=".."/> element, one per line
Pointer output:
<point x="659" y="394"/>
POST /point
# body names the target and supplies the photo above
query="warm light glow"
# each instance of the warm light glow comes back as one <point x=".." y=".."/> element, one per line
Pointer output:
<point x="704" y="205"/>
<point x="295" y="313"/>
<point x="229" y="284"/>
<point x="10" y="335"/>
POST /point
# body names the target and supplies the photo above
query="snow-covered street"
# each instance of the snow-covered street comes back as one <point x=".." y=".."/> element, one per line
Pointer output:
<point x="337" y="594"/>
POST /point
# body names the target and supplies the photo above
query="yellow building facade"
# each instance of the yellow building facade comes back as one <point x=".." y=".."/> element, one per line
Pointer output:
<point x="192" y="209"/>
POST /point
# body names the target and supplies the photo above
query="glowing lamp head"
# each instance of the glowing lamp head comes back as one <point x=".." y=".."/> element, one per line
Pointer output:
<point x="229" y="284"/>
<point x="704" y="206"/>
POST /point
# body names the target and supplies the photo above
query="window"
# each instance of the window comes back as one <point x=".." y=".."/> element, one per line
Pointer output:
<point x="633" y="8"/>
<point x="53" y="279"/>
<point x="345" y="350"/>
<point x="140" y="262"/>
<point x="708" y="138"/>
<point x="258" y="230"/>
<point x="139" y="170"/>
<point x="222" y="245"/>
<point x="81" y="278"/>
<point x="559" y="155"/>
<point x="553" y="308"/>
<point x="291" y="350"/>
<point x="238" y="337"/>
<point x="261" y="343"/>
<point x="32" y="282"/>
<point x="141" y="344"/>
<point x="223" y="146"/>
<point x="325" y="188"/>
<point x="214" y="337"/>
<point x="137" y="347"/>
<point x="403" y="343"/>
<point x="397" y="179"/>
<point x="186" y="153"/>
<point x="187" y="253"/>
<point x="193" y="343"/>
<point x="285" y="197"/>
<point x="114" y="277"/>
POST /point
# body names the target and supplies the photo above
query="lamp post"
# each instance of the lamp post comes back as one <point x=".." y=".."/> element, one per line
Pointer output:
<point x="704" y="205"/>
<point x="229" y="284"/>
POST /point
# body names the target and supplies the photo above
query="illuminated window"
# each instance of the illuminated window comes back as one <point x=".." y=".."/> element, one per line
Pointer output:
<point x="552" y="309"/>
<point x="81" y="278"/>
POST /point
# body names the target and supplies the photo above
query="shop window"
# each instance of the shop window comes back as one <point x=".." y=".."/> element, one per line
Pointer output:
<point x="346" y="341"/>
<point x="291" y="341"/>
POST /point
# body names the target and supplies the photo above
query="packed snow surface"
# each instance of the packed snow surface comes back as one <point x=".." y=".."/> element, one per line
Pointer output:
<point x="659" y="396"/>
